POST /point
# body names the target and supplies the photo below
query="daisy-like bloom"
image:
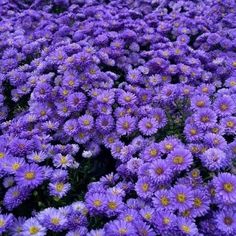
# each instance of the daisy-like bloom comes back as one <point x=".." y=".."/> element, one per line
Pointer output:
<point x="53" y="219"/>
<point x="186" y="226"/>
<point x="96" y="203"/>
<point x="164" y="220"/>
<point x="168" y="144"/>
<point x="224" y="106"/>
<point x="226" y="221"/>
<point x="159" y="115"/>
<point x="127" y="99"/>
<point x="71" y="127"/>
<point x="205" y="118"/>
<point x="182" y="197"/>
<point x="229" y="124"/>
<point x="76" y="101"/>
<point x="144" y="187"/>
<point x="200" y="101"/>
<point x="215" y="141"/>
<point x="105" y="123"/>
<point x="129" y="215"/>
<point x="86" y="122"/>
<point x="151" y="152"/>
<point x="6" y="222"/>
<point x="225" y="187"/>
<point x="134" y="164"/>
<point x="106" y="96"/>
<point x="180" y="159"/>
<point x="12" y="164"/>
<point x="192" y="132"/>
<point x="214" y="159"/>
<point x="37" y="157"/>
<point x="17" y="226"/>
<point x="162" y="200"/>
<point x="160" y="172"/>
<point x="120" y="228"/>
<point x="201" y="202"/>
<point x="29" y="175"/>
<point x="114" y="205"/>
<point x="147" y="213"/>
<point x="126" y="125"/>
<point x="143" y="229"/>
<point x="148" y="126"/>
<point x="15" y="196"/>
<point x="63" y="161"/>
<point x="59" y="189"/>
<point x="33" y="227"/>
<point x="133" y="76"/>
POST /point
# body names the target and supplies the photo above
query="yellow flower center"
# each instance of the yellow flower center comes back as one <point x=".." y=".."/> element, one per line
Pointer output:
<point x="112" y="205"/>
<point x="166" y="220"/>
<point x="230" y="124"/>
<point x="55" y="221"/>
<point x="185" y="228"/>
<point x="197" y="202"/>
<point x="71" y="82"/>
<point x="178" y="160"/>
<point x="145" y="187"/>
<point x="97" y="203"/>
<point x="63" y="160"/>
<point x="16" y="193"/>
<point x="128" y="218"/>
<point x="200" y="103"/>
<point x="127" y="98"/>
<point x="122" y="231"/>
<point x="125" y="125"/>
<point x="181" y="197"/>
<point x="223" y="107"/>
<point x="168" y="147"/>
<point x="30" y="175"/>
<point x="205" y="119"/>
<point x="234" y="63"/>
<point x="2" y="223"/>
<point x="149" y="125"/>
<point x="148" y="216"/>
<point x="2" y="155"/>
<point x="86" y="122"/>
<point x="159" y="171"/>
<point x="228" y="187"/>
<point x="15" y="166"/>
<point x="153" y="152"/>
<point x="164" y="201"/>
<point x="33" y="230"/>
<point x="59" y="187"/>
<point x="193" y="131"/>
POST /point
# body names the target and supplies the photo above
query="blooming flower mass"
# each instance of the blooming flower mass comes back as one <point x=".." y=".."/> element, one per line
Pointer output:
<point x="118" y="117"/>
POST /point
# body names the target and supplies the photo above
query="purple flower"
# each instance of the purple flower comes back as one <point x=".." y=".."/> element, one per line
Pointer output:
<point x="33" y="227"/>
<point x="148" y="126"/>
<point x="187" y="226"/>
<point x="225" y="184"/>
<point x="6" y="222"/>
<point x="224" y="106"/>
<point x="226" y="221"/>
<point x="29" y="175"/>
<point x="182" y="197"/>
<point x="162" y="200"/>
<point x="180" y="159"/>
<point x="125" y="125"/>
<point x="205" y="118"/>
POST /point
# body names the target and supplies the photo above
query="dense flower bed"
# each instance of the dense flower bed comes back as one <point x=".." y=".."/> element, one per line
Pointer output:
<point x="118" y="117"/>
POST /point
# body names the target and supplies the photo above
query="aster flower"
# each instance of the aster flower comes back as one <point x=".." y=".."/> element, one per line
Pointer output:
<point x="144" y="187"/>
<point x="187" y="226"/>
<point x="105" y="123"/>
<point x="151" y="152"/>
<point x="226" y="221"/>
<point x="127" y="99"/>
<point x="114" y="205"/>
<point x="160" y="172"/>
<point x="180" y="159"/>
<point x="6" y="222"/>
<point x="63" y="161"/>
<point x="225" y="185"/>
<point x="162" y="200"/>
<point x="29" y="175"/>
<point x="182" y="197"/>
<point x="214" y="159"/>
<point x="224" y="106"/>
<point x="52" y="219"/>
<point x="148" y="126"/>
<point x="205" y="118"/>
<point x="165" y="221"/>
<point x="59" y="189"/>
<point x="76" y="101"/>
<point x="201" y="202"/>
<point x="96" y="203"/>
<point x="125" y="125"/>
<point x="120" y="228"/>
<point x="33" y="227"/>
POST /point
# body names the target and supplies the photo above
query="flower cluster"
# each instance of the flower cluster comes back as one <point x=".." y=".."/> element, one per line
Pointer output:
<point x="146" y="88"/>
